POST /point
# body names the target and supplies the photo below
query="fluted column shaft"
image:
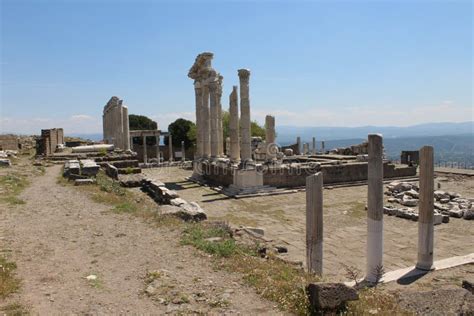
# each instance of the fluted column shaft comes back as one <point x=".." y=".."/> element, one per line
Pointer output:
<point x="126" y="129"/>
<point x="245" y="125"/>
<point x="199" y="123"/>
<point x="234" y="126"/>
<point x="214" y="124"/>
<point x="206" y="126"/>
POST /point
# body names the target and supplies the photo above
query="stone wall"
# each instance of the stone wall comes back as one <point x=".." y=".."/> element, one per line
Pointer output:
<point x="48" y="141"/>
<point x="9" y="142"/>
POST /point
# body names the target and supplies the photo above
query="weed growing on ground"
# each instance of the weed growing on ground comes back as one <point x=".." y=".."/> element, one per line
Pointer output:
<point x="11" y="185"/>
<point x="14" y="309"/>
<point x="373" y="301"/>
<point x="8" y="282"/>
<point x="272" y="278"/>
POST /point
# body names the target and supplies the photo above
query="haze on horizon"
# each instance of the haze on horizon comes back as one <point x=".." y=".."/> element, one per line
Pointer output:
<point x="322" y="63"/>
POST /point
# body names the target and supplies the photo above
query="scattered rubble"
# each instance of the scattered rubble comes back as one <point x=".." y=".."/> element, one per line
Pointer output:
<point x="80" y="169"/>
<point x="446" y="204"/>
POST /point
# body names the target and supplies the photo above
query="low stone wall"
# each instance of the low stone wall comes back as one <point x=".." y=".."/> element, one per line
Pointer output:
<point x="292" y="176"/>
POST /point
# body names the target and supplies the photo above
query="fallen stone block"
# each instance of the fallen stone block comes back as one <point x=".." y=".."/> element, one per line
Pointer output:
<point x="89" y="167"/>
<point x="5" y="163"/>
<point x="84" y="181"/>
<point x="456" y="212"/>
<point x="257" y="230"/>
<point x="72" y="167"/>
<point x="187" y="212"/>
<point x="330" y="297"/>
<point x="437" y="219"/>
<point x="177" y="202"/>
<point x="469" y="214"/>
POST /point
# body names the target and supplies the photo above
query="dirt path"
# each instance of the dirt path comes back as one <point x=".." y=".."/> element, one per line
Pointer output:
<point x="60" y="236"/>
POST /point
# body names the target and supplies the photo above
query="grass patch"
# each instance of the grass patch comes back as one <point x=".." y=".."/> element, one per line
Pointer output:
<point x="125" y="207"/>
<point x="14" y="309"/>
<point x="11" y="185"/>
<point x="357" y="210"/>
<point x="198" y="235"/>
<point x="8" y="282"/>
<point x="375" y="301"/>
<point x="272" y="278"/>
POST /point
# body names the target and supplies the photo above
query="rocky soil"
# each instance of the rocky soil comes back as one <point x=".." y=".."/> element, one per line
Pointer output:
<point x="76" y="256"/>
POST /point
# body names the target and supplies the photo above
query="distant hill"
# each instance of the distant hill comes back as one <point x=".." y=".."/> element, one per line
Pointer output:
<point x="457" y="149"/>
<point x="288" y="134"/>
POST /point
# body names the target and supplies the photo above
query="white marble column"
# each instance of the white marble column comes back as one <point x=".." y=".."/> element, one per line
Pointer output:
<point x="199" y="123"/>
<point x="206" y="124"/>
<point x="305" y="148"/>
<point x="245" y="125"/>
<point x="126" y="129"/>
<point x="234" y="126"/>
<point x="271" y="147"/>
<point x="158" y="148"/>
<point x="314" y="223"/>
<point x="374" y="207"/>
<point x="214" y="123"/>
<point x="170" y="147"/>
<point x="220" y="127"/>
<point x="298" y="145"/>
<point x="183" y="152"/>
<point x="426" y="210"/>
<point x="145" y="156"/>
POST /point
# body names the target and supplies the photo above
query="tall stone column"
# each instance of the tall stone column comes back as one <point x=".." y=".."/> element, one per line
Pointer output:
<point x="220" y="127"/>
<point x="271" y="150"/>
<point x="426" y="210"/>
<point x="158" y="148"/>
<point x="298" y="145"/>
<point x="234" y="126"/>
<point x="314" y="145"/>
<point x="214" y="124"/>
<point x="206" y="125"/>
<point x="322" y="147"/>
<point x="199" y="123"/>
<point x="126" y="129"/>
<point x="131" y="143"/>
<point x="305" y="148"/>
<point x="314" y="223"/>
<point x="145" y="156"/>
<point x="375" y="207"/>
<point x="170" y="147"/>
<point x="245" y="127"/>
<point x="183" y="151"/>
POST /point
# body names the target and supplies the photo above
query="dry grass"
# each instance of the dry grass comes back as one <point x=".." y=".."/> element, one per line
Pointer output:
<point x="374" y="301"/>
<point x="11" y="185"/>
<point x="8" y="282"/>
<point x="14" y="309"/>
<point x="272" y="278"/>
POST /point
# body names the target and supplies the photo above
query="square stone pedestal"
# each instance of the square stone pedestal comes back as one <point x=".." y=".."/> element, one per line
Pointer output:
<point x="244" y="179"/>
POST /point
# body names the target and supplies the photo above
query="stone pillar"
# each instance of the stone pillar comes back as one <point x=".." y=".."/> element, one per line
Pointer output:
<point x="227" y="146"/>
<point x="314" y="145"/>
<point x="183" y="151"/>
<point x="131" y="143"/>
<point x="272" y="148"/>
<point x="322" y="147"/>
<point x="158" y="148"/>
<point x="126" y="129"/>
<point x="305" y="148"/>
<point x="375" y="207"/>
<point x="199" y="123"/>
<point x="170" y="147"/>
<point x="206" y="126"/>
<point x="220" y="127"/>
<point x="234" y="126"/>
<point x="214" y="123"/>
<point x="426" y="210"/>
<point x="145" y="156"/>
<point x="314" y="223"/>
<point x="245" y="131"/>
<point x="298" y="145"/>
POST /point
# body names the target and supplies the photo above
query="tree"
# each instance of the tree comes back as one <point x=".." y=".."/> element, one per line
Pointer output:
<point x="141" y="122"/>
<point x="179" y="130"/>
<point x="255" y="128"/>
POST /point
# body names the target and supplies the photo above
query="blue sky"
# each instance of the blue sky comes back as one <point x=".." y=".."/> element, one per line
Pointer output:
<point x="313" y="63"/>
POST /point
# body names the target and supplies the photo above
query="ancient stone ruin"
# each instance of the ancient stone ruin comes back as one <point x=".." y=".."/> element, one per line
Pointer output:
<point x="115" y="124"/>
